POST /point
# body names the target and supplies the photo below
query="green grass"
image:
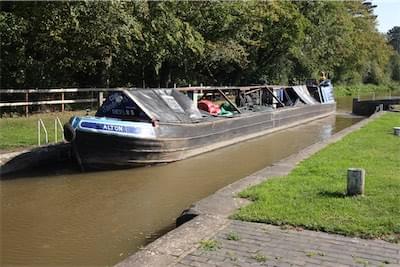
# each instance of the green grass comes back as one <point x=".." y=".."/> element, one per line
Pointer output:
<point x="260" y="257"/>
<point x="22" y="131"/>
<point x="233" y="236"/>
<point x="209" y="245"/>
<point x="313" y="196"/>
<point x="367" y="89"/>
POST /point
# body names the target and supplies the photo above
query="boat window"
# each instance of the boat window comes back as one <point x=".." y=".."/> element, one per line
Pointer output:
<point x="119" y="106"/>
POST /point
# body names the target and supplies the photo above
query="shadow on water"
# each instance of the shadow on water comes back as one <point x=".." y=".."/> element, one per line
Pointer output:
<point x="63" y="168"/>
<point x="65" y="217"/>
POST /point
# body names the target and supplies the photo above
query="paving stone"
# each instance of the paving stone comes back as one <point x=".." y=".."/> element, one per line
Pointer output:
<point x="191" y="257"/>
<point x="267" y="245"/>
<point x="185" y="261"/>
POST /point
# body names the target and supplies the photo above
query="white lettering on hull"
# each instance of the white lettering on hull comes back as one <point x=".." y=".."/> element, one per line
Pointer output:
<point x="115" y="128"/>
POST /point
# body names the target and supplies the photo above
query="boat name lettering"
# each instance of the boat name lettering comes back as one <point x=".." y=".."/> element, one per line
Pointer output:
<point x="111" y="127"/>
<point x="116" y="128"/>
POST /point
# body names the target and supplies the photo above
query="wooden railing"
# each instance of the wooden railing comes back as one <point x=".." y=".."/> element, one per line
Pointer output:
<point x="57" y="97"/>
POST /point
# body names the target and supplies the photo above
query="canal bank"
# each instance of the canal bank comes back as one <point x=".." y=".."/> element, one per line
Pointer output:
<point x="213" y="211"/>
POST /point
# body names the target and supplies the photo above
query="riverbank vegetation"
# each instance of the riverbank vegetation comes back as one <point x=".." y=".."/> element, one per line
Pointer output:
<point x="159" y="43"/>
<point x="313" y="194"/>
<point x="386" y="89"/>
<point x="21" y="132"/>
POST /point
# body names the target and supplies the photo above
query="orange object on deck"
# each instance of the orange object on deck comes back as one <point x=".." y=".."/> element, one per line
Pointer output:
<point x="209" y="107"/>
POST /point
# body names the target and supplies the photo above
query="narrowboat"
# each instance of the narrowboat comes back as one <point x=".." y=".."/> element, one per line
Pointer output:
<point x="136" y="127"/>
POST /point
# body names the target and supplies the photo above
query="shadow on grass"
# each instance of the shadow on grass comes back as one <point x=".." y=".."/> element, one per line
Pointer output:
<point x="335" y="194"/>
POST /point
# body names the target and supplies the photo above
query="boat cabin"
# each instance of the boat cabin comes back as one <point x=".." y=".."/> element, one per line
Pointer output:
<point x="194" y="104"/>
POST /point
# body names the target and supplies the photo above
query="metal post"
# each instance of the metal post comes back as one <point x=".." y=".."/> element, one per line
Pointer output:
<point x="41" y="124"/>
<point x="38" y="129"/>
<point x="45" y="132"/>
<point x="57" y="120"/>
<point x="55" y="130"/>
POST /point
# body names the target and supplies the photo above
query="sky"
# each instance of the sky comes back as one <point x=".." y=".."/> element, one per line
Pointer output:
<point x="388" y="12"/>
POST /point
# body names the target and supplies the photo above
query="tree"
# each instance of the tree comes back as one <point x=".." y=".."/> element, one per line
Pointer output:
<point x="394" y="38"/>
<point x="51" y="44"/>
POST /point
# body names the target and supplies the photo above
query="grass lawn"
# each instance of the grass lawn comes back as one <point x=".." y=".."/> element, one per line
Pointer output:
<point x="22" y="132"/>
<point x="313" y="194"/>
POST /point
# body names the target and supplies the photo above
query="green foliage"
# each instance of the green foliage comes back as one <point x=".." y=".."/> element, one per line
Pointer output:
<point x="395" y="67"/>
<point x="52" y="44"/>
<point x="367" y="89"/>
<point x="313" y="194"/>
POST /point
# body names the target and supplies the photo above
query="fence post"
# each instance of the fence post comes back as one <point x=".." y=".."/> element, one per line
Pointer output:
<point x="62" y="104"/>
<point x="100" y="99"/>
<point x="27" y="106"/>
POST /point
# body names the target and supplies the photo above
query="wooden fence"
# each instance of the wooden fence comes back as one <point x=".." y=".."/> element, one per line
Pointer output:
<point x="24" y="97"/>
<point x="58" y="95"/>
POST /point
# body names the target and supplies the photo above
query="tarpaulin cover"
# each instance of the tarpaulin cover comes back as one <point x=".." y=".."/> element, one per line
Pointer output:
<point x="302" y="92"/>
<point x="165" y="105"/>
<point x="327" y="91"/>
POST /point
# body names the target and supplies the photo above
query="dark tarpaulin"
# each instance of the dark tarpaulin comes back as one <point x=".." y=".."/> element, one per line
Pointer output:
<point x="165" y="105"/>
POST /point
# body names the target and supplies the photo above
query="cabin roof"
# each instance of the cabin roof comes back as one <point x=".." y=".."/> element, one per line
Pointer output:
<point x="165" y="105"/>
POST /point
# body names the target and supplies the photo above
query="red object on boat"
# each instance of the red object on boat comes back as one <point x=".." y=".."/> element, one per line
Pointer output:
<point x="209" y="106"/>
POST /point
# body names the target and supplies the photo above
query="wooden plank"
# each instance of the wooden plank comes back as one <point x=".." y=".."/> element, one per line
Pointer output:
<point x="241" y="88"/>
<point x="252" y="91"/>
<point x="72" y="90"/>
<point x="280" y="102"/>
<point x="50" y="102"/>
<point x="59" y="90"/>
<point x="230" y="102"/>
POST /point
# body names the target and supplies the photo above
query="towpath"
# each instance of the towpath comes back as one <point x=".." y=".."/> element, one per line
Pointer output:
<point x="254" y="244"/>
<point x="212" y="239"/>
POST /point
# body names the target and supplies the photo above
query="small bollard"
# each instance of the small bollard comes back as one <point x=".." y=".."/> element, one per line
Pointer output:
<point x="355" y="181"/>
<point x="396" y="131"/>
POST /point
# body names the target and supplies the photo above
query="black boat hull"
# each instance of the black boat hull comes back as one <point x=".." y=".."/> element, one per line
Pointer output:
<point x="179" y="141"/>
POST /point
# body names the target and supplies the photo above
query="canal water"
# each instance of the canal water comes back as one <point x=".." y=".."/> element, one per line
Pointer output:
<point x="63" y="217"/>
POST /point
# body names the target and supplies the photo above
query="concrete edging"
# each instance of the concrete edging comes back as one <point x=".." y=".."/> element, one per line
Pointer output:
<point x="214" y="210"/>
